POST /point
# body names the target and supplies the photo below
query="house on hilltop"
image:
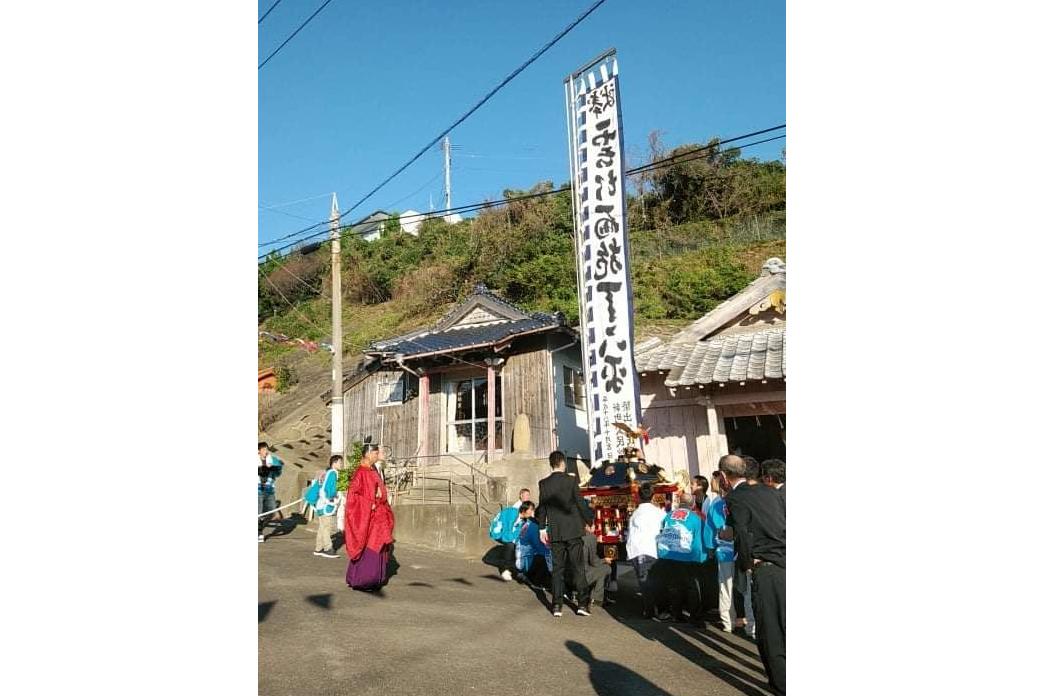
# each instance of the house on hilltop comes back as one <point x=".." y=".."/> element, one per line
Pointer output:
<point x="719" y="385"/>
<point x="374" y="225"/>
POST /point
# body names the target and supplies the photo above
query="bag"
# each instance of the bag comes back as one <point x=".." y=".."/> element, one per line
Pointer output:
<point x="496" y="526"/>
<point x="312" y="494"/>
<point x="502" y="526"/>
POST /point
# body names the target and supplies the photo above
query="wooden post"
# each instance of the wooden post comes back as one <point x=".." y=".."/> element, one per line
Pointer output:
<point x="491" y="414"/>
<point x="714" y="436"/>
<point x="422" y="429"/>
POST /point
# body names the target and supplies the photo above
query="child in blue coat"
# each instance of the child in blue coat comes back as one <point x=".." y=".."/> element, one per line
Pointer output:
<point x="533" y="557"/>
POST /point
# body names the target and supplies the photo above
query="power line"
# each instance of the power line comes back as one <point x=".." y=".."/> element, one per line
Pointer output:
<point x="294" y="202"/>
<point x="296" y="308"/>
<point x="269" y="10"/>
<point x="272" y="55"/>
<point x="636" y="170"/>
<point x="284" y="213"/>
<point x="361" y="348"/>
<point x="422" y="187"/>
<point x="689" y="157"/>
<point x="711" y="146"/>
<point x="482" y="101"/>
<point x="682" y="158"/>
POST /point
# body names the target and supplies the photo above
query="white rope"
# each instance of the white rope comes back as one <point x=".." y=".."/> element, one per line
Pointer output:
<point x="280" y="508"/>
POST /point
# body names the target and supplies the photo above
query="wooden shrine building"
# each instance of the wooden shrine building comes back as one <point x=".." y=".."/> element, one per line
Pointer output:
<point x="489" y="378"/>
<point x="719" y="386"/>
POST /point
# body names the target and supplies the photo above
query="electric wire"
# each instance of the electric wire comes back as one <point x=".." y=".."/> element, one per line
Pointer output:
<point x="489" y="95"/>
<point x="310" y="18"/>
<point x="682" y="158"/>
<point x="269" y="11"/>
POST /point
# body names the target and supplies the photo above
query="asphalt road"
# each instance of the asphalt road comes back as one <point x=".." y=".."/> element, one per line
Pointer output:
<point x="448" y="625"/>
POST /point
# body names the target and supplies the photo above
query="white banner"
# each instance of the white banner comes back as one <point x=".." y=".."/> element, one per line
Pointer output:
<point x="603" y="258"/>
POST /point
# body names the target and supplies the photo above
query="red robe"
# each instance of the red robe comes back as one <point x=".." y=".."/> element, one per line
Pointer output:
<point x="368" y="518"/>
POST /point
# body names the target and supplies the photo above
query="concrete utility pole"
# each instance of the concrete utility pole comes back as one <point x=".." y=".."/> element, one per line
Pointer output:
<point x="446" y="158"/>
<point x="337" y="395"/>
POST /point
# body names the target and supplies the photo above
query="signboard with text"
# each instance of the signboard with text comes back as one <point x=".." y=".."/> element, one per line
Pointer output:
<point x="603" y="259"/>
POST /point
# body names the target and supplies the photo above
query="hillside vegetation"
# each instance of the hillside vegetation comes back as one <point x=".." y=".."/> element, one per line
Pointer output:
<point x="699" y="232"/>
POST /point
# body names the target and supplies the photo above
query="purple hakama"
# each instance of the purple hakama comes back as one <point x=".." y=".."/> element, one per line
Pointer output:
<point x="369" y="572"/>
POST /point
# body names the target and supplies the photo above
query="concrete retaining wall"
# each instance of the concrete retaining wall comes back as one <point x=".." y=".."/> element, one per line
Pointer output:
<point x="441" y="527"/>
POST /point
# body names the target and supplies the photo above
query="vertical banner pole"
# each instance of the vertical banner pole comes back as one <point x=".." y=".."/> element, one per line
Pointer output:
<point x="596" y="158"/>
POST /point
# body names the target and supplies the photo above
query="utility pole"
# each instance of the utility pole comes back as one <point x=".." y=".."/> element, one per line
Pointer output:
<point x="446" y="158"/>
<point x="337" y="395"/>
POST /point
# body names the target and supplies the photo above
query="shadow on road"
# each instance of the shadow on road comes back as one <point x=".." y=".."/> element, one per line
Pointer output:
<point x="320" y="600"/>
<point x="612" y="678"/>
<point x="728" y="659"/>
<point x="286" y="525"/>
<point x="262" y="610"/>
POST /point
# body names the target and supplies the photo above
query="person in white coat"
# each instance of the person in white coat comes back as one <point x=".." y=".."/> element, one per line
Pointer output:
<point x="642" y="527"/>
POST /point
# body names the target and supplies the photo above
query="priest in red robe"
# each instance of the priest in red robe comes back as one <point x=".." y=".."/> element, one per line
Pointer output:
<point x="368" y="525"/>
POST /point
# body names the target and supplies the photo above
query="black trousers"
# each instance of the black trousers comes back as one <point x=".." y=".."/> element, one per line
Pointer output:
<point x="568" y="552"/>
<point x="507" y="557"/>
<point x="683" y="587"/>
<point x="709" y="585"/>
<point x="769" y="599"/>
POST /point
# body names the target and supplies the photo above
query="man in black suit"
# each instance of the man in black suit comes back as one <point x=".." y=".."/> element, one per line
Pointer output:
<point x="562" y="516"/>
<point x="757" y="515"/>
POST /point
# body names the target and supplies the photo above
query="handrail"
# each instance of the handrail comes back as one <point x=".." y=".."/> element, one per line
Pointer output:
<point x="413" y="471"/>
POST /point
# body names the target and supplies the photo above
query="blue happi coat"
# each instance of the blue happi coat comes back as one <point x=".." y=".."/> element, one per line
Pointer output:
<point x="681" y="537"/>
<point x="528" y="546"/>
<point x="724" y="551"/>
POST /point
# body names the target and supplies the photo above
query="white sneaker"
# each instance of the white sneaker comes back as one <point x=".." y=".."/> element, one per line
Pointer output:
<point x="260" y="538"/>
<point x="506" y="575"/>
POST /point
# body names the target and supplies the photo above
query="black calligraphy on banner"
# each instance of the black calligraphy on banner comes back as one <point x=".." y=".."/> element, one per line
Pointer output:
<point x="600" y="180"/>
<point x="602" y="98"/>
<point x="613" y="372"/>
<point x="605" y="277"/>
<point x="608" y="260"/>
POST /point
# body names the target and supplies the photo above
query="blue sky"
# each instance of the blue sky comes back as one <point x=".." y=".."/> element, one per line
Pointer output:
<point x="366" y="84"/>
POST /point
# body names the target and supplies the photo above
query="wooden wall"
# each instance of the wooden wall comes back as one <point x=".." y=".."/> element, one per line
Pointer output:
<point x="672" y="440"/>
<point x="362" y="418"/>
<point x="682" y="437"/>
<point x="525" y="382"/>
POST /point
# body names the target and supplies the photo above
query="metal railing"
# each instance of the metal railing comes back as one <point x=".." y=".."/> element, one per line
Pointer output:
<point x="441" y="478"/>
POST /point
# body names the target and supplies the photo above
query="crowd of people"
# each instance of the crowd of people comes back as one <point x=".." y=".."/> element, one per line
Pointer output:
<point x="722" y="541"/>
<point x="367" y="520"/>
<point x="724" y="537"/>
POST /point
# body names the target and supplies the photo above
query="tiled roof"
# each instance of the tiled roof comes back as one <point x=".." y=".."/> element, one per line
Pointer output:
<point x="464" y="337"/>
<point x="697" y="356"/>
<point x="739" y="357"/>
<point x="445" y="336"/>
